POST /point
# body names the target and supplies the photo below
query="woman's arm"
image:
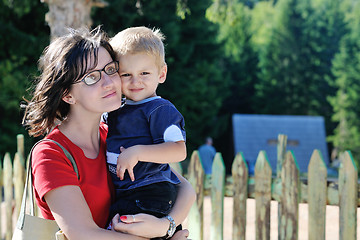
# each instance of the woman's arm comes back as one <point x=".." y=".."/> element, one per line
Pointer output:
<point x="185" y="199"/>
<point x="155" y="227"/>
<point x="73" y="216"/>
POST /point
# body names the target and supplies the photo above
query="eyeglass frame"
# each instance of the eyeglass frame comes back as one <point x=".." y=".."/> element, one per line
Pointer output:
<point x="101" y="70"/>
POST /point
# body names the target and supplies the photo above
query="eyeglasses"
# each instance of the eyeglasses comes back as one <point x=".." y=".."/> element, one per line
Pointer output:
<point x="93" y="77"/>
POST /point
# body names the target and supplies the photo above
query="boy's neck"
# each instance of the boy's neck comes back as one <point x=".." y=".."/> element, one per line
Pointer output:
<point x="131" y="102"/>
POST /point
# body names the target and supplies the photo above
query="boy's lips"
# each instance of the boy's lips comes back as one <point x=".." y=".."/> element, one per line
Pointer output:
<point x="136" y="89"/>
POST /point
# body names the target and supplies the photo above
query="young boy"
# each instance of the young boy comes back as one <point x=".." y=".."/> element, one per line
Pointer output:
<point x="146" y="133"/>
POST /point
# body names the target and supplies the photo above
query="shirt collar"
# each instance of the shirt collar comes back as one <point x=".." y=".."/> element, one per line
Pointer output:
<point x="131" y="102"/>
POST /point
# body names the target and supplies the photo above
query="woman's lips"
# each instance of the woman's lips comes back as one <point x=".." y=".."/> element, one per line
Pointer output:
<point x="111" y="94"/>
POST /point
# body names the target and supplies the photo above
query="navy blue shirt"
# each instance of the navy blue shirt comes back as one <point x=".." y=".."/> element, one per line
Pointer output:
<point x="150" y="121"/>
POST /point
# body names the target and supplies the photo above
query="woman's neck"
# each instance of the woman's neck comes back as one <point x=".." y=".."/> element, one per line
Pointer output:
<point x="83" y="132"/>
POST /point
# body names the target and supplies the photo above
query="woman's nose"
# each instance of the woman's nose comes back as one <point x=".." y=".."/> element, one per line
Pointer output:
<point x="109" y="80"/>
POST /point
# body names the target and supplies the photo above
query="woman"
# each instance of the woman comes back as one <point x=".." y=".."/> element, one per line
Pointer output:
<point x="78" y="82"/>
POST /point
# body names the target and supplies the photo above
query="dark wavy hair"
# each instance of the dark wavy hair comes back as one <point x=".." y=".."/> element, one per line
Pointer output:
<point x="62" y="64"/>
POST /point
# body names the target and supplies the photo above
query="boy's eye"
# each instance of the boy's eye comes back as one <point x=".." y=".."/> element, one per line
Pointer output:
<point x="145" y="73"/>
<point x="125" y="75"/>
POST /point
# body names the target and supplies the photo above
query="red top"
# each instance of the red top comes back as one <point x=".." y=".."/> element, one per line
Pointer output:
<point x="51" y="169"/>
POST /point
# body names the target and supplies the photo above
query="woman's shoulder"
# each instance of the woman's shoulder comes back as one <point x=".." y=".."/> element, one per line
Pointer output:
<point x="51" y="146"/>
<point x="48" y="159"/>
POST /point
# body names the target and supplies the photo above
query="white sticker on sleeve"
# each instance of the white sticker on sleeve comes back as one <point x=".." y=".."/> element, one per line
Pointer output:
<point x="173" y="134"/>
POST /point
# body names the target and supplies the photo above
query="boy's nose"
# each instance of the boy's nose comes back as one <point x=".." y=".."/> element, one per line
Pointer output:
<point x="135" y="80"/>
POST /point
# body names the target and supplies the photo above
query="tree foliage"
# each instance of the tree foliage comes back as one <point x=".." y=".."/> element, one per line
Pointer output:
<point x="239" y="61"/>
<point x="280" y="54"/>
<point x="346" y="69"/>
<point x="290" y="64"/>
<point x="195" y="81"/>
<point x="296" y="57"/>
<point x="23" y="35"/>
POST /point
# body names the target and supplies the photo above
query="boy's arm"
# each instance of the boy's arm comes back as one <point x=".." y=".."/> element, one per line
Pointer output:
<point x="166" y="152"/>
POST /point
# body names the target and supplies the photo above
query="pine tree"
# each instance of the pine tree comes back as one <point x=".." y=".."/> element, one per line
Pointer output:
<point x="23" y="36"/>
<point x="296" y="62"/>
<point x="239" y="61"/>
<point x="346" y="69"/>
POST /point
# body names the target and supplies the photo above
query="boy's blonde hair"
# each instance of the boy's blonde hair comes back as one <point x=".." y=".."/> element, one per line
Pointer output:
<point x="140" y="40"/>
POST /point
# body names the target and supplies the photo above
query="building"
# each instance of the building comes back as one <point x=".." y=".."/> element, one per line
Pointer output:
<point x="253" y="133"/>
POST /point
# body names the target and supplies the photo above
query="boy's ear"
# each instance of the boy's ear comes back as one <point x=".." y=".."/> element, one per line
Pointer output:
<point x="163" y="72"/>
<point x="69" y="99"/>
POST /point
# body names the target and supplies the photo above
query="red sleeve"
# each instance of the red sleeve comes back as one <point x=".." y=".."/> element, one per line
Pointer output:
<point x="51" y="168"/>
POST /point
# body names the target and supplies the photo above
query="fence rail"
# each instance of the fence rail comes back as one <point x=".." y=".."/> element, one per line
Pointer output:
<point x="287" y="188"/>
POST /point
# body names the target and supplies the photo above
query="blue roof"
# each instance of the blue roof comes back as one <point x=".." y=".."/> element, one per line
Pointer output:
<point x="253" y="133"/>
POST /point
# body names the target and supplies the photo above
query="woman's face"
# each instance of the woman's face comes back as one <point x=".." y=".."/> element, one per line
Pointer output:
<point x="103" y="96"/>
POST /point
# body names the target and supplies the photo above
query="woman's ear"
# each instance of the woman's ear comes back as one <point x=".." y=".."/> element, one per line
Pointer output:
<point x="69" y="99"/>
<point x="163" y="72"/>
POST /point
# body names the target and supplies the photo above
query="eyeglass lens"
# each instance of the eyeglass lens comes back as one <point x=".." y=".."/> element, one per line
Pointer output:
<point x="95" y="76"/>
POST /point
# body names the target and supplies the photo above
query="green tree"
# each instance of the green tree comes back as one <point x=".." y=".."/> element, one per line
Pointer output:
<point x="239" y="61"/>
<point x="283" y="65"/>
<point x="346" y="69"/>
<point x="23" y="35"/>
<point x="296" y="61"/>
<point x="195" y="81"/>
<point x="327" y="29"/>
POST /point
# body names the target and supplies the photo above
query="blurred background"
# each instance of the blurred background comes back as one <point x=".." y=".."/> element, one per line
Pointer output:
<point x="225" y="57"/>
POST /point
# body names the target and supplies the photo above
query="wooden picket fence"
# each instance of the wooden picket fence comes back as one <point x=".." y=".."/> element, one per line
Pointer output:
<point x="12" y="181"/>
<point x="285" y="187"/>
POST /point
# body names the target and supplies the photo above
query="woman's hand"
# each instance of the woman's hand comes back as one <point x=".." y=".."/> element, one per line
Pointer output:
<point x="74" y="217"/>
<point x="181" y="235"/>
<point x="143" y="225"/>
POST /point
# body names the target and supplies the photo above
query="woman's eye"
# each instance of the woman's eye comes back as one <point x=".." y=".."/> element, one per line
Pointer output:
<point x="110" y="70"/>
<point x="92" y="76"/>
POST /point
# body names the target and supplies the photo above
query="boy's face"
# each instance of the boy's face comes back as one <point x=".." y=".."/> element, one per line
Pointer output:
<point x="140" y="76"/>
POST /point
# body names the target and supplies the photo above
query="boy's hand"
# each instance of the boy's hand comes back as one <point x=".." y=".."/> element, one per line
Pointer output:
<point x="127" y="160"/>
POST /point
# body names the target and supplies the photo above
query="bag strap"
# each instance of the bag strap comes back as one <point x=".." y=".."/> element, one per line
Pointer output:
<point x="29" y="185"/>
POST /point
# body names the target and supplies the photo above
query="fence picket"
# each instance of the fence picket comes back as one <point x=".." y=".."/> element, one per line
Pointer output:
<point x="348" y="193"/>
<point x="8" y="194"/>
<point x="217" y="198"/>
<point x="281" y="152"/>
<point x="19" y="181"/>
<point x="177" y="167"/>
<point x="20" y="148"/>
<point x="196" y="178"/>
<point x="290" y="198"/>
<point x="317" y="181"/>
<point x="262" y="196"/>
<point x="240" y="179"/>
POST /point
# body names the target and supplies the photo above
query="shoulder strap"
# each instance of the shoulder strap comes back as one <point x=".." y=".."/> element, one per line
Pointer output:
<point x="68" y="155"/>
<point x="29" y="186"/>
